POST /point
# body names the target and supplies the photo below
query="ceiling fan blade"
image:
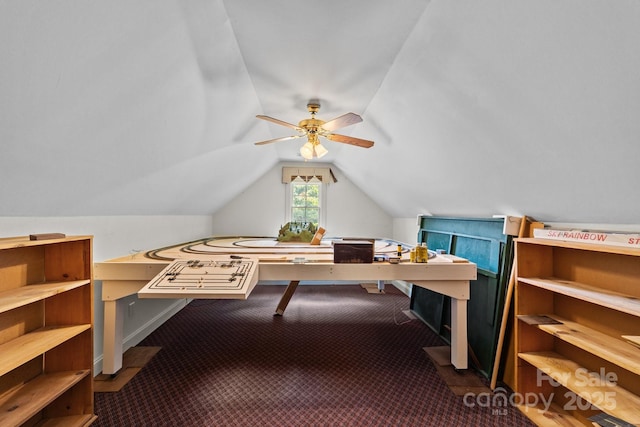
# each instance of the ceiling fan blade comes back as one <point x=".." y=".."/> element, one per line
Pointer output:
<point x="284" y="138"/>
<point x="342" y="121"/>
<point x="280" y="122"/>
<point x="364" y="143"/>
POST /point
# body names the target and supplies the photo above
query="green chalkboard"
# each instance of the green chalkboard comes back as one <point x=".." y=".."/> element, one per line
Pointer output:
<point x="481" y="241"/>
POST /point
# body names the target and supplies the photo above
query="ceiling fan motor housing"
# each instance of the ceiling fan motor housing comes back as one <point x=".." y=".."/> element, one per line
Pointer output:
<point x="313" y="107"/>
<point x="312" y="125"/>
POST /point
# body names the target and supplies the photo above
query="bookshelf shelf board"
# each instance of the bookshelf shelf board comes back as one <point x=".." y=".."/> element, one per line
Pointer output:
<point x="28" y="294"/>
<point x="614" y="300"/>
<point x="565" y="372"/>
<point x="24" y="348"/>
<point x="614" y="350"/>
<point x="19" y="405"/>
<point x="554" y="416"/>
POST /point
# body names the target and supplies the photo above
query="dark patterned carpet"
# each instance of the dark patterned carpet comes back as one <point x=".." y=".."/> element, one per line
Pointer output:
<point x="338" y="357"/>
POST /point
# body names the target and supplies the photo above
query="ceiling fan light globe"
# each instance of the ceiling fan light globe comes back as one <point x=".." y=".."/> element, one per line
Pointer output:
<point x="306" y="151"/>
<point x="320" y="150"/>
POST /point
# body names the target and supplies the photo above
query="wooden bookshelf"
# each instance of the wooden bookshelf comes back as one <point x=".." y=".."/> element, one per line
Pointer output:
<point x="46" y="331"/>
<point x="577" y="305"/>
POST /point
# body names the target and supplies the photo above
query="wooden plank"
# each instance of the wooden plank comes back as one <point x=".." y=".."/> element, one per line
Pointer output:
<point x="59" y="358"/>
<point x="46" y="236"/>
<point x="22" y="241"/>
<point x="69" y="260"/>
<point x="436" y="269"/>
<point x="592" y="387"/>
<point x="17" y="322"/>
<point x="609" y="348"/>
<point x="583" y="246"/>
<point x="24" y="295"/>
<point x="70" y="421"/>
<point x="24" y="348"/>
<point x="19" y="405"/>
<point x="610" y="299"/>
<point x="145" y="269"/>
<point x="554" y="416"/>
<point x="372" y="288"/>
<point x="452" y="258"/>
<point x="21" y="266"/>
<point x="113" y="290"/>
<point x="107" y="384"/>
<point x="57" y="307"/>
<point x="591" y="237"/>
<point x="506" y="308"/>
<point x="441" y="356"/>
<point x="18" y="376"/>
<point x="634" y="339"/>
<point x="286" y="297"/>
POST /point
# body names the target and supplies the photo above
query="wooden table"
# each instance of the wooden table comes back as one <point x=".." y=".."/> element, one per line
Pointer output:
<point x="126" y="276"/>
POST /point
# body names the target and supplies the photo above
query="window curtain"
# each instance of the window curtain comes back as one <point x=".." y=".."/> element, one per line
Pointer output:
<point x="324" y="175"/>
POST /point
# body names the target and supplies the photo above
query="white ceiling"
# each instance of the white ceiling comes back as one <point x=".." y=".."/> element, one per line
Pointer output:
<point x="476" y="107"/>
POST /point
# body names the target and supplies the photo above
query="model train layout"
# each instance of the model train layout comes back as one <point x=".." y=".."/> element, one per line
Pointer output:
<point x="202" y="278"/>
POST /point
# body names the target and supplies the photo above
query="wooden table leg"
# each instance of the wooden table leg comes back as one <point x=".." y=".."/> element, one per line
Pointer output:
<point x="112" y="336"/>
<point x="284" y="301"/>
<point x="459" y="343"/>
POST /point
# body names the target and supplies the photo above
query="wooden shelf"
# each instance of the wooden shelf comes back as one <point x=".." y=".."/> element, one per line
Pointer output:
<point x="591" y="366"/>
<point x="28" y="294"/>
<point x="614" y="300"/>
<point x="588" y="247"/>
<point x="624" y="404"/>
<point x="19" y="405"/>
<point x="554" y="416"/>
<point x="70" y="421"/>
<point x="616" y="351"/>
<point x="46" y="339"/>
<point x="24" y="348"/>
<point x="24" y="241"/>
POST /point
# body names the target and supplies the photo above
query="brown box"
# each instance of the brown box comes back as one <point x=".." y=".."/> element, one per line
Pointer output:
<point x="353" y="251"/>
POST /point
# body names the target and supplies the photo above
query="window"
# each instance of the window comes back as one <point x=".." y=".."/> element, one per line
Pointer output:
<point x="307" y="194"/>
<point x="305" y="200"/>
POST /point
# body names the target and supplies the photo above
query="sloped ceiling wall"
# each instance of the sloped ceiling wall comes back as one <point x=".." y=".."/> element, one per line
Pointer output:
<point x="477" y="108"/>
<point x="525" y="107"/>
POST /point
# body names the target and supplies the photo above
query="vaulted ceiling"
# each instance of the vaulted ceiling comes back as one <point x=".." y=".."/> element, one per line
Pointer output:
<point x="476" y="107"/>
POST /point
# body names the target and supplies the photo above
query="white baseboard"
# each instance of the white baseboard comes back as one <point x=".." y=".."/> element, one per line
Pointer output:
<point x="402" y="286"/>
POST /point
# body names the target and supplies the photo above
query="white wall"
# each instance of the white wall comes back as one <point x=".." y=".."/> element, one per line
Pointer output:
<point x="405" y="230"/>
<point x="116" y="236"/>
<point x="260" y="209"/>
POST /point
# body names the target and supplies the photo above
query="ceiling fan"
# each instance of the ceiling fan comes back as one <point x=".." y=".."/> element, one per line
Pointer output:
<point x="313" y="128"/>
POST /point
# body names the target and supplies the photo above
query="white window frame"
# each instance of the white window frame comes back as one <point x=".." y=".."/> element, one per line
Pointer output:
<point x="322" y="217"/>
